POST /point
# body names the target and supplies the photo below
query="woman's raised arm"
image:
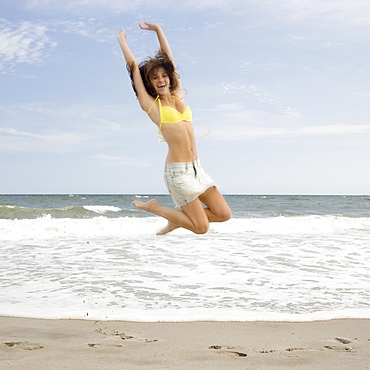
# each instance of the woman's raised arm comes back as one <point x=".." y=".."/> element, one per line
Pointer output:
<point x="145" y="99"/>
<point x="165" y="46"/>
<point x="163" y="43"/>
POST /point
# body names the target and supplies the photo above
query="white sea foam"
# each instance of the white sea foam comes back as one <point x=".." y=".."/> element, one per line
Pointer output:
<point x="102" y="209"/>
<point x="280" y="268"/>
<point x="47" y="226"/>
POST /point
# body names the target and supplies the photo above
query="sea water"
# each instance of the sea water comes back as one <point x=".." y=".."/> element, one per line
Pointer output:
<point x="295" y="258"/>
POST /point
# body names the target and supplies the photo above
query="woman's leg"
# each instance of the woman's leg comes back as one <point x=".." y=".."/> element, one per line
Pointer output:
<point x="192" y="216"/>
<point x="217" y="208"/>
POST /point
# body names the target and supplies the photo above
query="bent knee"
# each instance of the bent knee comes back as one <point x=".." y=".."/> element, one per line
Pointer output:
<point x="224" y="215"/>
<point x="202" y="228"/>
<point x="227" y="215"/>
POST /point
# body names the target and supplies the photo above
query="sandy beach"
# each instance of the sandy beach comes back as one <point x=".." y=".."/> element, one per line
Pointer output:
<point x="81" y="344"/>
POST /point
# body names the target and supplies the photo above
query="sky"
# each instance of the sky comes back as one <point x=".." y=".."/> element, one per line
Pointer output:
<point x="282" y="85"/>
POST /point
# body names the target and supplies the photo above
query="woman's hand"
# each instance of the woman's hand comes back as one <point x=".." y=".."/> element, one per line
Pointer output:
<point x="121" y="35"/>
<point x="149" y="26"/>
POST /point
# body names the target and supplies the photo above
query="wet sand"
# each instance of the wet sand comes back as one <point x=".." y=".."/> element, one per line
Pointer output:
<point x="81" y="344"/>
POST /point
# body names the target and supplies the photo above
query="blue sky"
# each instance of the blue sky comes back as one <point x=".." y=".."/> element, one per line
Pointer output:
<point x="283" y="85"/>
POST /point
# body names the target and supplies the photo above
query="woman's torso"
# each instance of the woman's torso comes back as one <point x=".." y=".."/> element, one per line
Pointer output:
<point x="181" y="142"/>
<point x="178" y="133"/>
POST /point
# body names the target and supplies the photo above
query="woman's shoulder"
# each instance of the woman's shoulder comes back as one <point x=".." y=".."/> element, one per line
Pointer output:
<point x="180" y="94"/>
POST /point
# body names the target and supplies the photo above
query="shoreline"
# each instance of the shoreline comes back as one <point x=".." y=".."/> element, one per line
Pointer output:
<point x="85" y="344"/>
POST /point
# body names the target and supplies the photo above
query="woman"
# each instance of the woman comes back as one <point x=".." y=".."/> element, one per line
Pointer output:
<point x="158" y="88"/>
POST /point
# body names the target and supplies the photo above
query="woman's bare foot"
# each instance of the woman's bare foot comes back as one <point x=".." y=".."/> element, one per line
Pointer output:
<point x="148" y="206"/>
<point x="170" y="227"/>
<point x="153" y="206"/>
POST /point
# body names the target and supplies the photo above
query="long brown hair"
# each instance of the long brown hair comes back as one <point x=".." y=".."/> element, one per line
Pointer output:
<point x="149" y="66"/>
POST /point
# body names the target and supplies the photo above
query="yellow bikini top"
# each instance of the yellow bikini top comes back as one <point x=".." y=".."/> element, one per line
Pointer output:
<point x="169" y="115"/>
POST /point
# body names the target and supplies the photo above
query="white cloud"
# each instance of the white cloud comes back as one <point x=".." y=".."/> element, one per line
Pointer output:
<point x="125" y="161"/>
<point x="355" y="12"/>
<point x="61" y="138"/>
<point x="64" y="127"/>
<point x="14" y="140"/>
<point x="25" y="42"/>
<point x="134" y="5"/>
<point x="336" y="129"/>
<point x="261" y="95"/>
<point x="76" y="115"/>
<point x="232" y="122"/>
<point x="299" y="38"/>
<point x="246" y="131"/>
<point x="85" y="27"/>
<point x="211" y="26"/>
<point x="328" y="12"/>
<point x="112" y="125"/>
<point x="361" y="94"/>
<point x="29" y="42"/>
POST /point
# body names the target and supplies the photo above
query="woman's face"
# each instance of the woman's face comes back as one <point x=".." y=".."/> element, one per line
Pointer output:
<point x="160" y="81"/>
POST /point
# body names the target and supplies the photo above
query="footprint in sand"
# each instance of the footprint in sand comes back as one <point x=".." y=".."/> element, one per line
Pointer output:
<point x="226" y="350"/>
<point x="97" y="345"/>
<point x="122" y="336"/>
<point x="343" y="340"/>
<point x="296" y="349"/>
<point x="340" y="348"/>
<point x="23" y="345"/>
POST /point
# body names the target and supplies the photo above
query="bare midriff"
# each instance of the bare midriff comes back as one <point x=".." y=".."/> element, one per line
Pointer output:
<point x="181" y="142"/>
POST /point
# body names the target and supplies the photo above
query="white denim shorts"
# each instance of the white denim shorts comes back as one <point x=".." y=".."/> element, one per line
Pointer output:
<point x="186" y="181"/>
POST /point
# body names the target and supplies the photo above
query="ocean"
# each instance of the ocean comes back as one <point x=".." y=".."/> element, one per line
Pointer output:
<point x="96" y="257"/>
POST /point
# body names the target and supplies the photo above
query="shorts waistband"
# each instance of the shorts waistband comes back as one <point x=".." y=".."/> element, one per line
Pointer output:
<point x="182" y="165"/>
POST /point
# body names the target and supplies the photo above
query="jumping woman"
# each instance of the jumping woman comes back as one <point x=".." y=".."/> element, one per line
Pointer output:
<point x="158" y="88"/>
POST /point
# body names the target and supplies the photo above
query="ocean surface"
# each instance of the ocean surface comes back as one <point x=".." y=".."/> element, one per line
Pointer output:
<point x="294" y="258"/>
